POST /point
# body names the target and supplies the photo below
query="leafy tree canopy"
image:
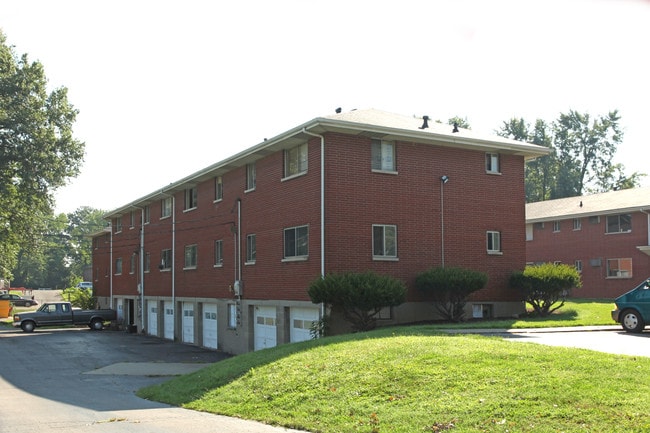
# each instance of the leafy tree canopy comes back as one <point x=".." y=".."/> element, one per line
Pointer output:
<point x="37" y="151"/>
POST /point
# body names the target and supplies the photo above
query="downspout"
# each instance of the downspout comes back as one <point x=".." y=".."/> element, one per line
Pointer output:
<point x="141" y="270"/>
<point x="322" y="207"/>
<point x="173" y="197"/>
<point x="110" y="265"/>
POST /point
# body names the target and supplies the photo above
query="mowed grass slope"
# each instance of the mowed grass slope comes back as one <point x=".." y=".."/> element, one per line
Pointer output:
<point x="418" y="379"/>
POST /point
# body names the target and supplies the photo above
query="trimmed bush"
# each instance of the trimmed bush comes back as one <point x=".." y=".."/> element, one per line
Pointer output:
<point x="361" y="296"/>
<point x="543" y="286"/>
<point x="449" y="288"/>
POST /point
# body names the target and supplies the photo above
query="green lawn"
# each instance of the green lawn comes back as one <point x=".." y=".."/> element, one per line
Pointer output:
<point x="421" y="379"/>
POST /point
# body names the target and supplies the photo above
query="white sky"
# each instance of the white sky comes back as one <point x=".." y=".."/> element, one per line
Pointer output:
<point x="166" y="88"/>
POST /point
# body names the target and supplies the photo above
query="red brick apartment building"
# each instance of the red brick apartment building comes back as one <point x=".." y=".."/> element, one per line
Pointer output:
<point x="604" y="235"/>
<point x="223" y="257"/>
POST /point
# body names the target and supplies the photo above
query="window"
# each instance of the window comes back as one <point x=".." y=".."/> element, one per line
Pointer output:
<point x="131" y="219"/>
<point x="577" y="224"/>
<point x="118" y="224"/>
<point x="218" y="188"/>
<point x="133" y="261"/>
<point x="147" y="262"/>
<point x="250" y="249"/>
<point x="578" y="265"/>
<point x="118" y="266"/>
<point x="539" y="226"/>
<point x="594" y="219"/>
<point x="232" y="316"/>
<point x="250" y="177"/>
<point x="190" y="198"/>
<point x="295" y="160"/>
<point x="384" y="241"/>
<point x="493" y="242"/>
<point x="619" y="268"/>
<point x="166" y="259"/>
<point x="166" y="207"/>
<point x="296" y="242"/>
<point x="492" y="162"/>
<point x="147" y="214"/>
<point x="556" y="226"/>
<point x="383" y="155"/>
<point x="190" y="257"/>
<point x="619" y="223"/>
<point x="218" y="253"/>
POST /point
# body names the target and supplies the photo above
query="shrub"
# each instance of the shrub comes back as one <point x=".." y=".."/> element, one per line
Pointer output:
<point x="79" y="298"/>
<point x="543" y="286"/>
<point x="449" y="288"/>
<point x="359" y="295"/>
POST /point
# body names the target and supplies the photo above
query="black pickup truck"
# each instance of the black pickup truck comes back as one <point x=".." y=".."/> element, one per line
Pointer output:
<point x="62" y="313"/>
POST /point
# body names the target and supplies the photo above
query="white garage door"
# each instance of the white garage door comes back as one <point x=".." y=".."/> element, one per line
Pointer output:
<point x="265" y="329"/>
<point x="169" y="320"/>
<point x="152" y="318"/>
<point x="188" y="322"/>
<point x="301" y="322"/>
<point x="210" y="325"/>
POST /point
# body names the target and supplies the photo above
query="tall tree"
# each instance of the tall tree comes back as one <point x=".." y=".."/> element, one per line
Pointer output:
<point x="585" y="149"/>
<point x="37" y="151"/>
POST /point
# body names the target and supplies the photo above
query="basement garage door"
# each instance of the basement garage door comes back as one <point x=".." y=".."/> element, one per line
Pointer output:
<point x="168" y="321"/>
<point x="301" y="322"/>
<point x="152" y="318"/>
<point x="188" y="322"/>
<point x="265" y="327"/>
<point x="210" y="325"/>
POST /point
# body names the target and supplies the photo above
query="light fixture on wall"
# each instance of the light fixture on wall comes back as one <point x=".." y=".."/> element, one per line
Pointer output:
<point x="444" y="179"/>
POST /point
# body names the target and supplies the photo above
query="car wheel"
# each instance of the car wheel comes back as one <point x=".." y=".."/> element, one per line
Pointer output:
<point x="27" y="326"/>
<point x="632" y="321"/>
<point x="97" y="325"/>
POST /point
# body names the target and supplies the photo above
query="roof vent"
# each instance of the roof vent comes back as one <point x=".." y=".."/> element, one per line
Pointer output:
<point x="338" y="110"/>
<point x="455" y="128"/>
<point x="425" y="123"/>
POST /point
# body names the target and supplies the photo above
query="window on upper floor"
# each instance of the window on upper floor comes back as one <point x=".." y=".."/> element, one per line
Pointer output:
<point x="218" y="253"/>
<point x="117" y="222"/>
<point x="383" y="155"/>
<point x="191" y="197"/>
<point x="296" y="242"/>
<point x="577" y="224"/>
<point x="190" y="257"/>
<point x="147" y="214"/>
<point x="218" y="188"/>
<point x="619" y="223"/>
<point x="619" y="268"/>
<point x="492" y="163"/>
<point x="250" y="177"/>
<point x="556" y="226"/>
<point x="166" y="207"/>
<point x="131" y="219"/>
<point x="147" y="262"/>
<point x="133" y="262"/>
<point x="493" y="242"/>
<point x="165" y="259"/>
<point x="118" y="266"/>
<point x="384" y="241"/>
<point x="251" y="249"/>
<point x="578" y="265"/>
<point x="295" y="160"/>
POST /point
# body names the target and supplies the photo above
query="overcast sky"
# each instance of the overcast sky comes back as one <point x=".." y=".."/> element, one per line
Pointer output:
<point x="166" y="88"/>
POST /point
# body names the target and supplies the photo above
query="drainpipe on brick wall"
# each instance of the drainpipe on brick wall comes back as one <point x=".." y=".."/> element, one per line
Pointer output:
<point x="322" y="206"/>
<point x="141" y="266"/>
<point x="173" y="197"/>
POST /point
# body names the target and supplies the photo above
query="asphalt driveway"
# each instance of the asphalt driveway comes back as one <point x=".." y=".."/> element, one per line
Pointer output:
<point x="77" y="380"/>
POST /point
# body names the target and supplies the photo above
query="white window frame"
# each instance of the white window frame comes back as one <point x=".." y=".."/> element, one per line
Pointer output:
<point x="383" y="247"/>
<point x="191" y="198"/>
<point x="493" y="242"/>
<point x="218" y="188"/>
<point x="218" y="253"/>
<point x="577" y="224"/>
<point x="147" y="214"/>
<point x="251" y="177"/>
<point x="578" y="265"/>
<point x="382" y="158"/>
<point x="191" y="256"/>
<point x="556" y="226"/>
<point x="118" y="266"/>
<point x="492" y="163"/>
<point x="617" y="272"/>
<point x="296" y="161"/>
<point x="165" y="207"/>
<point x="299" y="241"/>
<point x="131" y="219"/>
<point x="132" y="265"/>
<point x="147" y="262"/>
<point x="251" y="249"/>
<point x="118" y="224"/>
<point x="166" y="259"/>
<point x="618" y="223"/>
